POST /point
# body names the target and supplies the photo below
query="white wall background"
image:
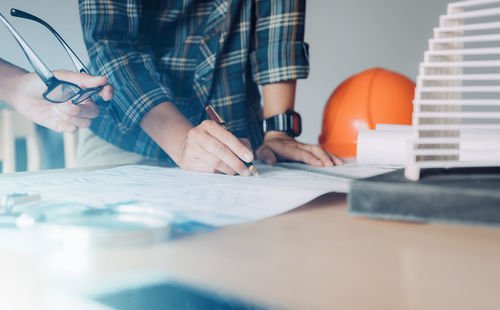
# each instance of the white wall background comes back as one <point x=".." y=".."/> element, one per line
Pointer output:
<point x="349" y="36"/>
<point x="345" y="37"/>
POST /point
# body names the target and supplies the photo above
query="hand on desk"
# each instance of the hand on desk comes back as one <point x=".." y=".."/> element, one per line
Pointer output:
<point x="27" y="99"/>
<point x="279" y="146"/>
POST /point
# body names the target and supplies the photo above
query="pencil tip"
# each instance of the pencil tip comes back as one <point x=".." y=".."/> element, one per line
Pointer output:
<point x="253" y="170"/>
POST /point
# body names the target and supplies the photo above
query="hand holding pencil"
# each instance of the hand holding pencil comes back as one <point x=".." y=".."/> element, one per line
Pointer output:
<point x="218" y="119"/>
<point x="207" y="147"/>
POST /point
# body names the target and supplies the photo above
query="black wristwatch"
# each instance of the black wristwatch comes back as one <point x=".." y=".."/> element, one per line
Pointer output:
<point x="289" y="122"/>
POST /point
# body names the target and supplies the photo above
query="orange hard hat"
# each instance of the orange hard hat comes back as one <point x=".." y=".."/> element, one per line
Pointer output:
<point x="374" y="96"/>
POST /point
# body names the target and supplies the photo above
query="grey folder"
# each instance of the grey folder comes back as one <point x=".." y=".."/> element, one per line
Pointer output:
<point x="469" y="195"/>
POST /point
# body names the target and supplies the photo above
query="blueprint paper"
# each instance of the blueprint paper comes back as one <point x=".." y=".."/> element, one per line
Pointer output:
<point x="211" y="199"/>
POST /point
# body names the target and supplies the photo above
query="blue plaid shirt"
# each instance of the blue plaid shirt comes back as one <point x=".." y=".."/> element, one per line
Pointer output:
<point x="191" y="53"/>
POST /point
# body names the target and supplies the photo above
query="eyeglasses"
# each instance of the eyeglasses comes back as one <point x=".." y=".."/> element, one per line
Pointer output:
<point x="58" y="91"/>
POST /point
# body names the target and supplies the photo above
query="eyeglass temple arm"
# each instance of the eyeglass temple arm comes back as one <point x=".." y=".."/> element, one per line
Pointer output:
<point x="74" y="58"/>
<point x="38" y="65"/>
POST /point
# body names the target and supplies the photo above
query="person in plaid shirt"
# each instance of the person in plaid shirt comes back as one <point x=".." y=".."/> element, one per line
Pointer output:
<point x="169" y="59"/>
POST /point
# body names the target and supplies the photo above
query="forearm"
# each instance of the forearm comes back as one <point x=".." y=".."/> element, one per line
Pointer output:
<point x="278" y="97"/>
<point x="9" y="74"/>
<point x="167" y="127"/>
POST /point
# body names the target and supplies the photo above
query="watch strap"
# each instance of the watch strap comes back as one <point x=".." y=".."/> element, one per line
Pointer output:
<point x="288" y="122"/>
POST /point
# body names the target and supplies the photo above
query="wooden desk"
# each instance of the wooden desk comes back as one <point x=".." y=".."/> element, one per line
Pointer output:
<point x="318" y="257"/>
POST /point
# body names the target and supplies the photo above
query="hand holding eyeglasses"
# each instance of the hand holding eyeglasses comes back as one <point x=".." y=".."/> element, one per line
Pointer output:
<point x="63" y="117"/>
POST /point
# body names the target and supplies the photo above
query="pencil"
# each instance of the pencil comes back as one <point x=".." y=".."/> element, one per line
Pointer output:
<point x="219" y="120"/>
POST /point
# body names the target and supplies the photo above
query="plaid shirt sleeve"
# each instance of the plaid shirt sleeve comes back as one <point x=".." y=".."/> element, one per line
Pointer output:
<point x="117" y="51"/>
<point x="280" y="51"/>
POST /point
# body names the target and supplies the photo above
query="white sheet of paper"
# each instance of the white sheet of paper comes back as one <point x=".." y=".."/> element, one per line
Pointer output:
<point x="211" y="199"/>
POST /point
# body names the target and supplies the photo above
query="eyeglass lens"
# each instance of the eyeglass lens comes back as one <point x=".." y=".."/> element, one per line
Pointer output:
<point x="86" y="94"/>
<point x="63" y="92"/>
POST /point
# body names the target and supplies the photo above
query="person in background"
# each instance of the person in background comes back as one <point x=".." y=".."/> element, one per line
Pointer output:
<point x="169" y="60"/>
<point x="23" y="91"/>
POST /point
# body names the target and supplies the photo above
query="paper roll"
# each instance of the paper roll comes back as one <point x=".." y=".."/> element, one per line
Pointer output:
<point x="383" y="147"/>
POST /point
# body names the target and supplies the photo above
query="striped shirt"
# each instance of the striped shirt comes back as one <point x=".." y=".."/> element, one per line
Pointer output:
<point x="191" y="53"/>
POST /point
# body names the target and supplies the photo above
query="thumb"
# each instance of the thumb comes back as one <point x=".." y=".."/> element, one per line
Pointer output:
<point x="266" y="154"/>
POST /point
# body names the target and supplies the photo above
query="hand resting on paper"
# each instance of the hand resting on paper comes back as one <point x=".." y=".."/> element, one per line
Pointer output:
<point x="278" y="146"/>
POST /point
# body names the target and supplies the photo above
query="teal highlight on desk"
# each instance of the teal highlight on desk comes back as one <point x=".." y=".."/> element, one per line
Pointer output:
<point x="171" y="295"/>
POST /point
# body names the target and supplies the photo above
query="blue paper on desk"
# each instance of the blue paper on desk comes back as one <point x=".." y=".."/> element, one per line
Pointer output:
<point x="191" y="197"/>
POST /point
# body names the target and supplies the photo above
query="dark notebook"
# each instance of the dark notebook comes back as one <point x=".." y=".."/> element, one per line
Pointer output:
<point x="470" y="195"/>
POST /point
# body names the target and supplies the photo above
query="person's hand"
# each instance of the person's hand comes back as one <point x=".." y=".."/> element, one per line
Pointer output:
<point x="27" y="99"/>
<point x="279" y="146"/>
<point x="209" y="147"/>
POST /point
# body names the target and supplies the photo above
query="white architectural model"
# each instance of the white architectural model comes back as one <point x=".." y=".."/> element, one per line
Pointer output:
<point x="456" y="110"/>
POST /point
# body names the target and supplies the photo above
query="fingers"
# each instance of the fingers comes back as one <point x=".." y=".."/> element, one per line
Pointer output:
<point x="84" y="80"/>
<point x="80" y="79"/>
<point x="228" y="139"/>
<point x="65" y="126"/>
<point x="68" y="121"/>
<point x="202" y="160"/>
<point x="317" y="151"/>
<point x="87" y="109"/>
<point x="225" y="160"/>
<point x="327" y="158"/>
<point x="266" y="154"/>
<point x="216" y="165"/>
<point x="246" y="143"/>
<point x="278" y="146"/>
<point x="305" y="156"/>
<point x="211" y="148"/>
<point x="211" y="164"/>
<point x="107" y="92"/>
<point x="336" y="160"/>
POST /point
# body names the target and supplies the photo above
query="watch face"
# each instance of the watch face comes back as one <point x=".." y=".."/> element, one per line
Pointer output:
<point x="297" y="124"/>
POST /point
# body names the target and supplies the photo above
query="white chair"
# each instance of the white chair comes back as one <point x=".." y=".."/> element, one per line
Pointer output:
<point x="15" y="126"/>
<point x="12" y="126"/>
<point x="70" y="141"/>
